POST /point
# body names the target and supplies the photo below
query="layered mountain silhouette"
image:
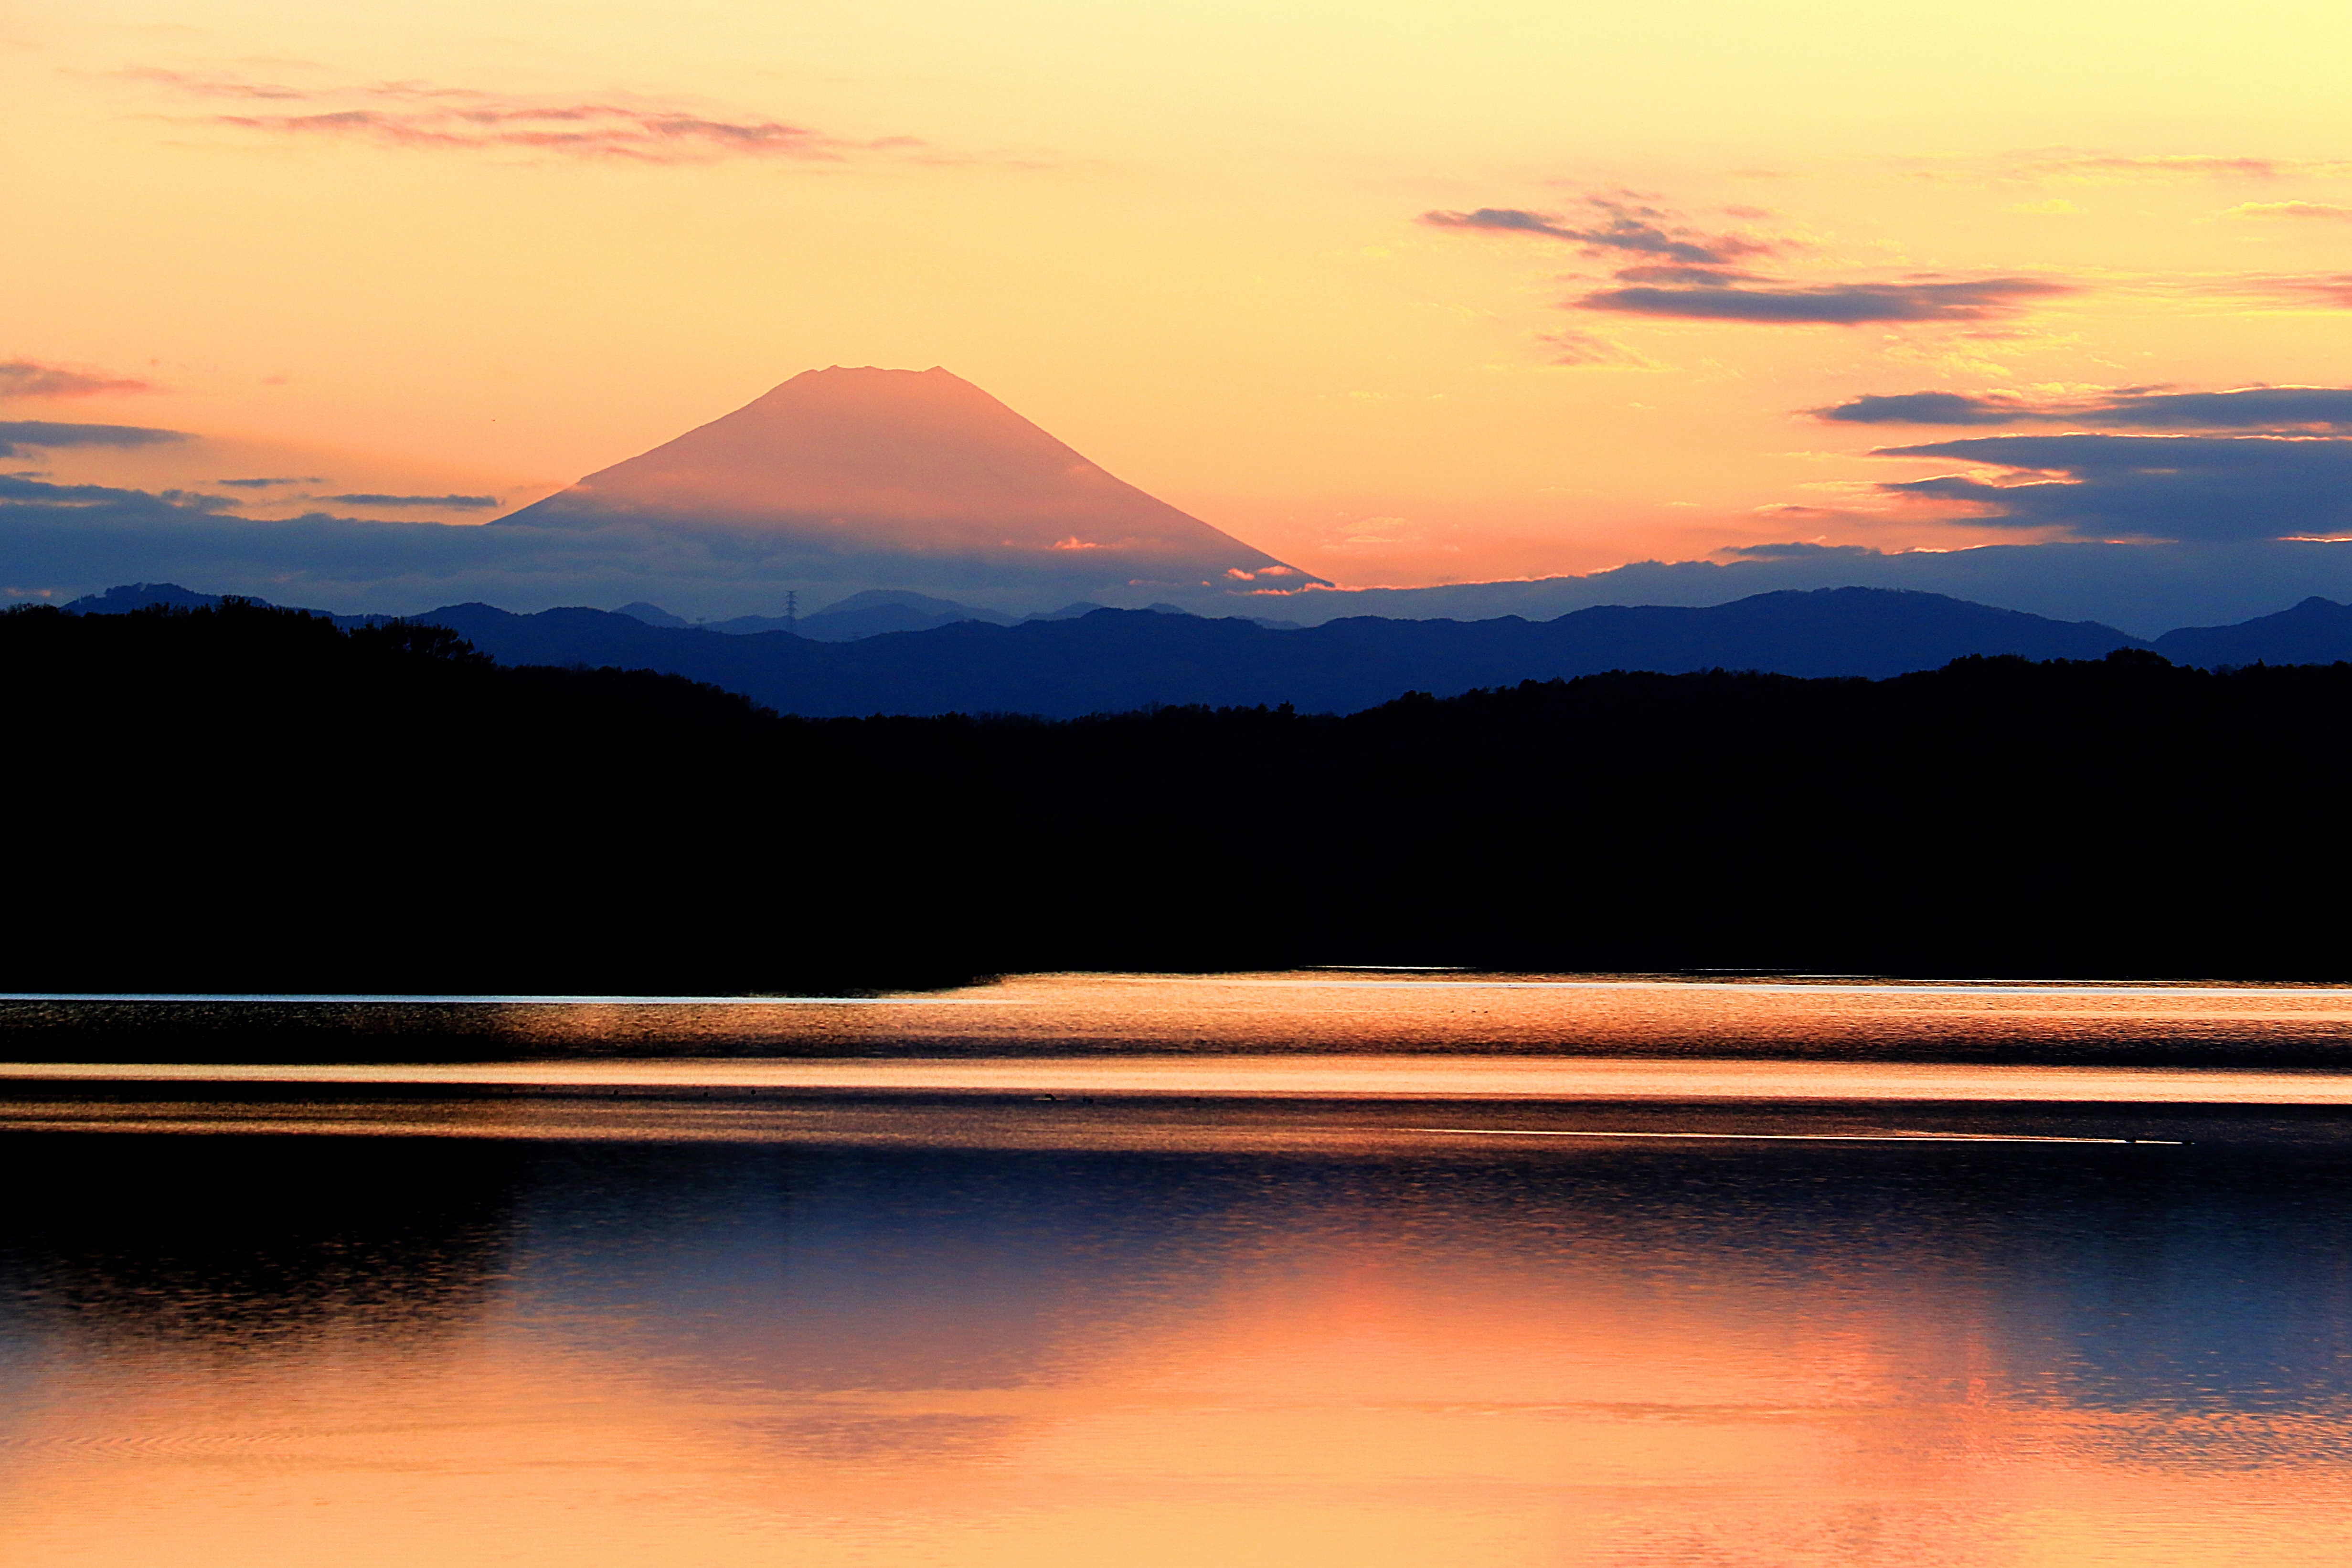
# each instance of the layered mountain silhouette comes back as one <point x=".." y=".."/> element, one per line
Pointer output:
<point x="1112" y="660"/>
<point x="878" y="610"/>
<point x="909" y="477"/>
<point x="867" y="614"/>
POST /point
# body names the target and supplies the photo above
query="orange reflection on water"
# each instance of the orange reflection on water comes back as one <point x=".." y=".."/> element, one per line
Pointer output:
<point x="1414" y="1365"/>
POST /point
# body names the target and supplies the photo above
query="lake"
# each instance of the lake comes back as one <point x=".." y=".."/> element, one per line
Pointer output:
<point x="1235" y="1270"/>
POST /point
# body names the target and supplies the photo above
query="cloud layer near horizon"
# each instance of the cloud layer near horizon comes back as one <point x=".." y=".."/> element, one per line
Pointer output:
<point x="2245" y="408"/>
<point x="73" y="539"/>
<point x="2193" y="488"/>
<point x="20" y="437"/>
<point x="2248" y="463"/>
<point x="61" y="540"/>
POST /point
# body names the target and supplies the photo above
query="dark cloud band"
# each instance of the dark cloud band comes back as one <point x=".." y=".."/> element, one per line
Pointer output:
<point x="75" y="539"/>
<point x="2184" y="487"/>
<point x="86" y="537"/>
<point x="2247" y="408"/>
<point x="41" y="433"/>
<point x="1925" y="408"/>
<point x="1835" y="304"/>
<point x="463" y="503"/>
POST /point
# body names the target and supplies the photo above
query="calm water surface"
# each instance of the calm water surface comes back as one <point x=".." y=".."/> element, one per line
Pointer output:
<point x="538" y="1327"/>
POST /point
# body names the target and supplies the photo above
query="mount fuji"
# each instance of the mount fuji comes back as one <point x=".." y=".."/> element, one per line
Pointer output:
<point x="848" y="478"/>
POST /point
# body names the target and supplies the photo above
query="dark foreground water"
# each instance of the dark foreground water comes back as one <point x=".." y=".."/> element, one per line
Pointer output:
<point x="239" y="1349"/>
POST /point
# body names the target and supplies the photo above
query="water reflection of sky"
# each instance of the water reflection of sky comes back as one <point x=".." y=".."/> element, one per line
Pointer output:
<point x="222" y="1350"/>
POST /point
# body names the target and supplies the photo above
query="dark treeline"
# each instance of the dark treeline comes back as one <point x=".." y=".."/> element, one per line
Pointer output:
<point x="250" y="799"/>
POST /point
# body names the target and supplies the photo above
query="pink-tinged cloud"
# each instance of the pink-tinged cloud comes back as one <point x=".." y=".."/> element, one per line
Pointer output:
<point x="1839" y="304"/>
<point x="590" y="130"/>
<point x="2324" y="291"/>
<point x="1585" y="348"/>
<point x="2182" y="166"/>
<point x="211" y="87"/>
<point x="423" y="116"/>
<point x="2258" y="210"/>
<point x="29" y="378"/>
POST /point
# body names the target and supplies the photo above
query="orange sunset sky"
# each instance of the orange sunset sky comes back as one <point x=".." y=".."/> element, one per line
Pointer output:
<point x="1374" y="288"/>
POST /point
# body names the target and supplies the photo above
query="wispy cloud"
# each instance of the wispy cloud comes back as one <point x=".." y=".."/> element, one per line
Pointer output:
<point x="2116" y="169"/>
<point x="577" y="130"/>
<point x="18" y="490"/>
<point x="2254" y="291"/>
<point x="1927" y="408"/>
<point x="41" y="433"/>
<point x="1611" y="226"/>
<point x="1586" y="348"/>
<point x="1672" y="269"/>
<point x="1670" y="273"/>
<point x="2332" y="292"/>
<point x="1842" y="304"/>
<point x="474" y="503"/>
<point x="2276" y="408"/>
<point x="30" y="378"/>
<point x="2260" y="210"/>
<point x="427" y="117"/>
<point x="1798" y="550"/>
<point x="211" y="86"/>
<point x="268" y="484"/>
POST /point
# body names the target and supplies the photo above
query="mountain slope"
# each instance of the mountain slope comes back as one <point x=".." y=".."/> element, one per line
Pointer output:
<point x="908" y="478"/>
<point x="2316" y="632"/>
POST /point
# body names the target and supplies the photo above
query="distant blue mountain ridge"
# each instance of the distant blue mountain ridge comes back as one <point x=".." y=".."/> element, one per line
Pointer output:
<point x="1091" y="660"/>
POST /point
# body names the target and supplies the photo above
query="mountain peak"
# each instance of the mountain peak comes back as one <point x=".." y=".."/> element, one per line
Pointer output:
<point x="909" y="477"/>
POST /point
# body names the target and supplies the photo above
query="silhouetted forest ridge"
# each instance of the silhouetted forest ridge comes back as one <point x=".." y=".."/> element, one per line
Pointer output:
<point x="1108" y="660"/>
<point x="245" y="798"/>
